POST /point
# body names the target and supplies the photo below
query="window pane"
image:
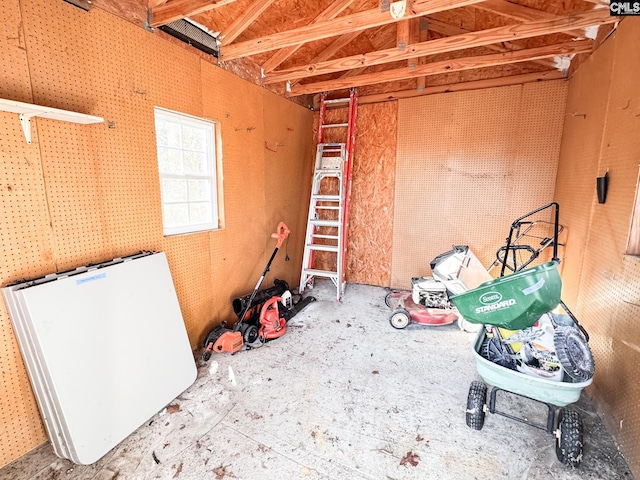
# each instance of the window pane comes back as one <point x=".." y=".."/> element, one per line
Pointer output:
<point x="199" y="190"/>
<point x="194" y="138"/>
<point x="174" y="190"/>
<point x="187" y="167"/>
<point x="169" y="160"/>
<point x="200" y="212"/>
<point x="167" y="134"/>
<point x="176" y="214"/>
<point x="195" y="163"/>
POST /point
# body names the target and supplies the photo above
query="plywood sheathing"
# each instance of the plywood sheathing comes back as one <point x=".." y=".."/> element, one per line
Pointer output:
<point x="81" y="194"/>
<point x="372" y="193"/>
<point x="602" y="129"/>
<point x="468" y="163"/>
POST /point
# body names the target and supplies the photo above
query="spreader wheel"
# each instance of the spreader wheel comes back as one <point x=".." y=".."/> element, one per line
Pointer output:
<point x="476" y="404"/>
<point x="574" y="353"/>
<point x="387" y="299"/>
<point x="399" y="319"/>
<point x="569" y="438"/>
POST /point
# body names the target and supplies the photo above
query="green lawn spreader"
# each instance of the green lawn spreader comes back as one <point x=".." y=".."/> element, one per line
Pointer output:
<point x="519" y="305"/>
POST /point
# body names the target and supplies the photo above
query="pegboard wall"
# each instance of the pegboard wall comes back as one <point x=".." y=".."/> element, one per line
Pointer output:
<point x="602" y="128"/>
<point x="468" y="164"/>
<point x="86" y="193"/>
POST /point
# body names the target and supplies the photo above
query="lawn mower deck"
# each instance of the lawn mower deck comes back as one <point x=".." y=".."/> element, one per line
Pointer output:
<point x="405" y="311"/>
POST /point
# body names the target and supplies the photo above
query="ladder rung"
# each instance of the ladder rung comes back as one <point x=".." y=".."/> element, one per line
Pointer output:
<point x="320" y="273"/>
<point x="322" y="248"/>
<point x="326" y="198"/>
<point x="327" y="207"/>
<point x="324" y="223"/>
<point x="328" y="237"/>
<point x="337" y="100"/>
<point x="335" y="125"/>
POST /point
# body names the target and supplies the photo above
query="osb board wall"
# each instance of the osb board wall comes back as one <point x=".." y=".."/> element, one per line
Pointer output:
<point x="608" y="282"/>
<point x="373" y="182"/>
<point x="86" y="193"/>
<point x="468" y="164"/>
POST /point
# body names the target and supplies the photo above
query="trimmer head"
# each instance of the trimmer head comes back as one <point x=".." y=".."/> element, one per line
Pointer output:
<point x="221" y="339"/>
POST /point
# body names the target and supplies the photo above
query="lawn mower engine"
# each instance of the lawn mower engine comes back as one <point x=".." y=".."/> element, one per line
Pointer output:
<point x="429" y="292"/>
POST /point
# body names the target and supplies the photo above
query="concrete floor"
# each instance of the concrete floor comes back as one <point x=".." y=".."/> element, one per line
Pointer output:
<point x="342" y="395"/>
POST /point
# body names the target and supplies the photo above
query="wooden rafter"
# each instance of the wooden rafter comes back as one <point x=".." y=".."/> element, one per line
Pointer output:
<point x="520" y="13"/>
<point x="449" y="30"/>
<point x="240" y="24"/>
<point x="332" y="11"/>
<point x="462" y="86"/>
<point x="335" y="27"/>
<point x="357" y="71"/>
<point x="448" y="44"/>
<point x="447" y="66"/>
<point x="402" y="34"/>
<point x="177" y="9"/>
<point x="333" y="48"/>
<point x="421" y="34"/>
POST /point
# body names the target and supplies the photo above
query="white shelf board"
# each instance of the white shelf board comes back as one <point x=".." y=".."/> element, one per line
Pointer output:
<point x="28" y="110"/>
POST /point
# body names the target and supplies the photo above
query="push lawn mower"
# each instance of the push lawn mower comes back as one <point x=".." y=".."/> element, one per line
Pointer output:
<point x="428" y="302"/>
<point x="275" y="306"/>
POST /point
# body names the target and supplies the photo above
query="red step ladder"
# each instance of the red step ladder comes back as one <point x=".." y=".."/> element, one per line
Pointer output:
<point x="328" y="220"/>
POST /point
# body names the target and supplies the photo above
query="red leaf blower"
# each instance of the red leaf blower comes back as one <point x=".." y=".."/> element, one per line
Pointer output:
<point x="222" y="339"/>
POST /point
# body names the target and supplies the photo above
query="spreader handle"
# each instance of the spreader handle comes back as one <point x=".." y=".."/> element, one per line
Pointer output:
<point x="282" y="232"/>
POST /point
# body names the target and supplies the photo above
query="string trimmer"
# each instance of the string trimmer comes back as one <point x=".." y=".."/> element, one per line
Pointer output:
<point x="222" y="339"/>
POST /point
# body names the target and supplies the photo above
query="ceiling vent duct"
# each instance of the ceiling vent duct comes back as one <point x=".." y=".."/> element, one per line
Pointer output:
<point x="192" y="34"/>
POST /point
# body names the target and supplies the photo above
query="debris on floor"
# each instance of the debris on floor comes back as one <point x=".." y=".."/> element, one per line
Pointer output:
<point x="350" y="399"/>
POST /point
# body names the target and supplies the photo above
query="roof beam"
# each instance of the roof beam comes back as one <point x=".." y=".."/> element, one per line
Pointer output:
<point x="447" y="66"/>
<point x="240" y="24"/>
<point x="449" y="30"/>
<point x="520" y="13"/>
<point x="332" y="11"/>
<point x="332" y="28"/>
<point x="178" y="9"/>
<point x="358" y="71"/>
<point x="447" y="44"/>
<point x="421" y="34"/>
<point x="462" y="86"/>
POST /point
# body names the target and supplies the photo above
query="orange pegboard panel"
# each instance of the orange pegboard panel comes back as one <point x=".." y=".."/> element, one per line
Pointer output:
<point x="25" y="235"/>
<point x="602" y="126"/>
<point x="468" y="164"/>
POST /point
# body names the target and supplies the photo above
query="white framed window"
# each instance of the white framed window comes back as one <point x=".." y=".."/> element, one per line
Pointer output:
<point x="187" y="166"/>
